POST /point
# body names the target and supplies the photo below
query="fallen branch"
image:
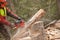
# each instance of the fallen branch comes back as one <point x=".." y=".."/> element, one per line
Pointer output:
<point x="37" y="16"/>
<point x="51" y="23"/>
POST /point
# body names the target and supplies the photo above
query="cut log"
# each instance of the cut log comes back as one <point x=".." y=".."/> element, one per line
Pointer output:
<point x="37" y="31"/>
<point x="37" y="16"/>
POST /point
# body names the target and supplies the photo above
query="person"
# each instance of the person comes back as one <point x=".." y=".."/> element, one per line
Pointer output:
<point x="4" y="12"/>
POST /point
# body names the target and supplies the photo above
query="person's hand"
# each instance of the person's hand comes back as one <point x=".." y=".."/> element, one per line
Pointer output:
<point x="20" y="23"/>
<point x="12" y="26"/>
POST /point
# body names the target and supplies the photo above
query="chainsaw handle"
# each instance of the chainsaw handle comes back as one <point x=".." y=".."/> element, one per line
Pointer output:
<point x="20" y="23"/>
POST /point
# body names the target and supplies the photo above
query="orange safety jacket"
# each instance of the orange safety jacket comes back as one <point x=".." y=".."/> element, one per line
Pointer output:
<point x="7" y="12"/>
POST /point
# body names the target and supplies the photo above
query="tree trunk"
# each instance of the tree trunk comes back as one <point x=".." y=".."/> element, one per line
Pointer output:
<point x="58" y="8"/>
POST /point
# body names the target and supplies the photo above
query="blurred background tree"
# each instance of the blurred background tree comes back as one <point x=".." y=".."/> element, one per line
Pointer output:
<point x="27" y="8"/>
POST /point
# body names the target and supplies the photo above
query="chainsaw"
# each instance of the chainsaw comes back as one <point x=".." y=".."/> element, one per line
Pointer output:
<point x="19" y="24"/>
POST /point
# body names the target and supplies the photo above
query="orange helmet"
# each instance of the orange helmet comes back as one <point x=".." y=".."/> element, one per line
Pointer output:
<point x="2" y="0"/>
<point x="3" y="3"/>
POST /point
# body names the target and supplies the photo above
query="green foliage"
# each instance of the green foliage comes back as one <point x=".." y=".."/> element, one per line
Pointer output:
<point x="27" y="8"/>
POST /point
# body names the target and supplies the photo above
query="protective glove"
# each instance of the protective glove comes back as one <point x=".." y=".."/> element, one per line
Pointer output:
<point x="12" y="26"/>
<point x="20" y="23"/>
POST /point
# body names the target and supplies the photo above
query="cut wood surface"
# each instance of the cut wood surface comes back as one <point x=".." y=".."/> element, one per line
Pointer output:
<point x="37" y="16"/>
<point x="53" y="31"/>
